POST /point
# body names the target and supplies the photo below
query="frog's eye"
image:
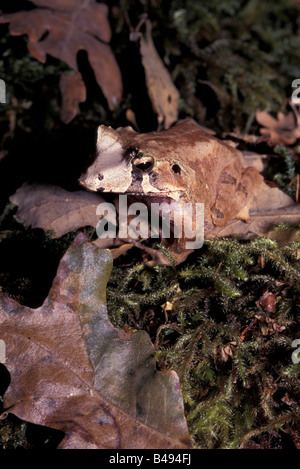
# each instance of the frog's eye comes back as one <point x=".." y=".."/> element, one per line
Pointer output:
<point x="176" y="169"/>
<point x="142" y="164"/>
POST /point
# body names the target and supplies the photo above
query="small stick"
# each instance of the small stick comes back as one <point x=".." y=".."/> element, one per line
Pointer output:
<point x="218" y="268"/>
<point x="291" y="182"/>
<point x="297" y="186"/>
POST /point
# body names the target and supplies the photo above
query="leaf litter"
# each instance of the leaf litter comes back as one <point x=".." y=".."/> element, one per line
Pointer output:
<point x="61" y="28"/>
<point x="72" y="370"/>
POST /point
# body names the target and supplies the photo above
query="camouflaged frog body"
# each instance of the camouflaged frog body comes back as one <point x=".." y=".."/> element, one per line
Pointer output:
<point x="178" y="165"/>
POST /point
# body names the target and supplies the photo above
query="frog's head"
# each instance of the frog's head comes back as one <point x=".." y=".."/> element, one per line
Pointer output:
<point x="139" y="164"/>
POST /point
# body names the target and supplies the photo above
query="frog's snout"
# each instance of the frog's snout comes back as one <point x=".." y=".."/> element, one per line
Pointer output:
<point x="142" y="164"/>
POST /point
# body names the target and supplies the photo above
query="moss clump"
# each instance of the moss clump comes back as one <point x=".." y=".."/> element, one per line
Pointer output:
<point x="233" y="352"/>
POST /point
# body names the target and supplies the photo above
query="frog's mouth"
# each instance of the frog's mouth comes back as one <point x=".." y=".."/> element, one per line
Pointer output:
<point x="144" y="184"/>
<point x="141" y="187"/>
<point x="152" y="198"/>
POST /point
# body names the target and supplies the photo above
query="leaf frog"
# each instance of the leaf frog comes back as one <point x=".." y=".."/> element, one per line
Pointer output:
<point x="181" y="165"/>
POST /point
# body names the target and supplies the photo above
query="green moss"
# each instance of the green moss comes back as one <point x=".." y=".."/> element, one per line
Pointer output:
<point x="13" y="435"/>
<point x="234" y="358"/>
<point x="287" y="176"/>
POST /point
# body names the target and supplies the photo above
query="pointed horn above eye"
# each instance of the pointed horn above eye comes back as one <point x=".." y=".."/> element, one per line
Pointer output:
<point x="107" y="133"/>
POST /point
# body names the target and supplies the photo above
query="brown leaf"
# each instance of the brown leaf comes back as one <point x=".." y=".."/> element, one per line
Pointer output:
<point x="53" y="208"/>
<point x="252" y="139"/>
<point x="283" y="130"/>
<point x="73" y="371"/>
<point x="255" y="160"/>
<point x="267" y="302"/>
<point x="269" y="208"/>
<point x="61" y="28"/>
<point x="274" y="327"/>
<point x="162" y="91"/>
<point x="73" y="92"/>
<point x="268" y="325"/>
<point x="227" y="351"/>
<point x="130" y="116"/>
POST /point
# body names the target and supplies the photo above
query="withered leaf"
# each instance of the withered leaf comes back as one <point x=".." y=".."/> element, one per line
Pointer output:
<point x="61" y="28"/>
<point x="163" y="94"/>
<point x="227" y="351"/>
<point x="268" y="325"/>
<point x="283" y="130"/>
<point x="255" y="160"/>
<point x="55" y="209"/>
<point x="270" y="207"/>
<point x="252" y="139"/>
<point x="73" y="92"/>
<point x="262" y="323"/>
<point x="267" y="302"/>
<point x="72" y="370"/>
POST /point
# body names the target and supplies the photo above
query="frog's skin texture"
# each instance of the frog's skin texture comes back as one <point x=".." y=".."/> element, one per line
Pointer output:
<point x="183" y="164"/>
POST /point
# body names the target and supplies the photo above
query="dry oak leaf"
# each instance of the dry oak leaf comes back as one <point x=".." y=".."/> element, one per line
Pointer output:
<point x="61" y="28"/>
<point x="55" y="209"/>
<point x="73" y="92"/>
<point x="72" y="370"/>
<point x="270" y="207"/>
<point x="163" y="94"/>
<point x="283" y="130"/>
